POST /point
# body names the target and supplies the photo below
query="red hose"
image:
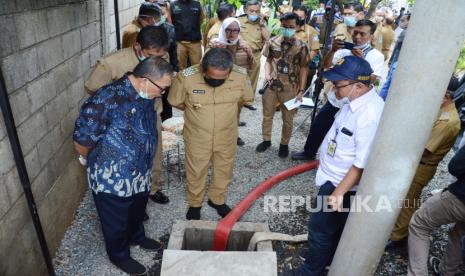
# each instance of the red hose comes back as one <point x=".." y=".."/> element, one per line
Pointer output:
<point x="226" y="224"/>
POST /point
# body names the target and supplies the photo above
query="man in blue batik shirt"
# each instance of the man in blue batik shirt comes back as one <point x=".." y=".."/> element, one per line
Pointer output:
<point x="116" y="138"/>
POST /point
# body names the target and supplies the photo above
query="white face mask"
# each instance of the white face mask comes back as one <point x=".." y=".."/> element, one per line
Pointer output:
<point x="346" y="99"/>
<point x="143" y="93"/>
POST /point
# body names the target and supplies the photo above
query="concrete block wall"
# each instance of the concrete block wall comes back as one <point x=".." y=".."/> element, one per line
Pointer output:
<point x="47" y="49"/>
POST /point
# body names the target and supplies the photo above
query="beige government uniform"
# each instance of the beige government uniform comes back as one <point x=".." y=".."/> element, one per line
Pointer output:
<point x="251" y="32"/>
<point x="210" y="129"/>
<point x="310" y="36"/>
<point x="130" y="33"/>
<point x="388" y="38"/>
<point x="442" y="138"/>
<point x="113" y="67"/>
<point x="341" y="32"/>
<point x="286" y="64"/>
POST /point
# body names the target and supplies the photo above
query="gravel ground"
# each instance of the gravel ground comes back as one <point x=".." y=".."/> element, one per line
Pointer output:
<point x="82" y="249"/>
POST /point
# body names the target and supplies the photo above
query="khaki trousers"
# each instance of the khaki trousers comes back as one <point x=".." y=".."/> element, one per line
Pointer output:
<point x="423" y="175"/>
<point x="198" y="159"/>
<point x="269" y="100"/>
<point x="254" y="74"/>
<point x="442" y="208"/>
<point x="191" y="51"/>
<point x="156" y="168"/>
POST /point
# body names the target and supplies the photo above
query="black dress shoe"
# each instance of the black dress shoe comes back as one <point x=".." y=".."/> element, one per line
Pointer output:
<point x="159" y="197"/>
<point x="283" y="151"/>
<point x="146" y="217"/>
<point x="250" y="107"/>
<point x="400" y="244"/>
<point x="149" y="244"/>
<point x="240" y="142"/>
<point x="131" y="267"/>
<point x="222" y="210"/>
<point x="193" y="213"/>
<point x="263" y="146"/>
<point x="241" y="124"/>
<point x="300" y="156"/>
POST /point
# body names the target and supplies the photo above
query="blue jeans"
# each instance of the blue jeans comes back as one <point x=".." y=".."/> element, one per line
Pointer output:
<point x="324" y="232"/>
<point x="323" y="122"/>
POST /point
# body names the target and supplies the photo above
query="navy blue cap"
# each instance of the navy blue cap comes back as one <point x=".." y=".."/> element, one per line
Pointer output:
<point x="350" y="68"/>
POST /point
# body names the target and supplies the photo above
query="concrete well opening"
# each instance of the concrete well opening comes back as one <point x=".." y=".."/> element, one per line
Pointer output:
<point x="198" y="235"/>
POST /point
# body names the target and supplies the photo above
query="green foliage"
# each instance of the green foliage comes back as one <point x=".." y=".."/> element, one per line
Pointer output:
<point x="236" y="3"/>
<point x="460" y="65"/>
<point x="410" y="2"/>
<point x="313" y="4"/>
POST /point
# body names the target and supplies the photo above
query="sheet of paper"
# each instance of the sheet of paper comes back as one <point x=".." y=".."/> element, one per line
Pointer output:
<point x="291" y="104"/>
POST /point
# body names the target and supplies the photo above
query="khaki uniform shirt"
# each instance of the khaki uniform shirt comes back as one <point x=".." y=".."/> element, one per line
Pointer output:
<point x="210" y="114"/>
<point x="286" y="60"/>
<point x="388" y="37"/>
<point x="285" y="8"/>
<point x="377" y="41"/>
<point x="251" y="32"/>
<point x="113" y="67"/>
<point x="214" y="32"/>
<point x="130" y="33"/>
<point x="341" y="32"/>
<point x="442" y="138"/>
<point x="310" y="36"/>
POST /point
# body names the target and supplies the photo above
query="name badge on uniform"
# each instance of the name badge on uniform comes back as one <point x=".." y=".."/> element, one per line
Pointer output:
<point x="198" y="91"/>
<point x="332" y="148"/>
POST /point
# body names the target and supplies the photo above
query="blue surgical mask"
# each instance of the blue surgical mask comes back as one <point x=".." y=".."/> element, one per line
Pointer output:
<point x="143" y="93"/>
<point x="162" y="20"/>
<point x="350" y="21"/>
<point x="253" y="17"/>
<point x="287" y="32"/>
<point x="141" y="58"/>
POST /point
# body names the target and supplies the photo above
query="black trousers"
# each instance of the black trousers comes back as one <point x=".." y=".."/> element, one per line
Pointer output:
<point x="122" y="222"/>
<point x="323" y="122"/>
<point x="167" y="108"/>
<point x="324" y="231"/>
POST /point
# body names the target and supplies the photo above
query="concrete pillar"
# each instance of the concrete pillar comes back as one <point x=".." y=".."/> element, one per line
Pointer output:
<point x="435" y="35"/>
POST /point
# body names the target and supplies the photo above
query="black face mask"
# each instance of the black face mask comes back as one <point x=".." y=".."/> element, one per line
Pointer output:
<point x="214" y="82"/>
<point x="300" y="22"/>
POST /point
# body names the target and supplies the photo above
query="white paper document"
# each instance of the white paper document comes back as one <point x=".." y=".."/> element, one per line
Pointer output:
<point x="291" y="104"/>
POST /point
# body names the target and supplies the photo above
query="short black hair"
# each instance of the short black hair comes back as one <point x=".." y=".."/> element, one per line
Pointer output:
<point x="366" y="22"/>
<point x="354" y="5"/>
<point x="389" y="21"/>
<point x="150" y="9"/>
<point x="151" y="37"/>
<point x="153" y="68"/>
<point x="217" y="58"/>
<point x="289" y="16"/>
<point x="224" y="11"/>
<point x="407" y="15"/>
<point x="251" y="3"/>
<point x="304" y="9"/>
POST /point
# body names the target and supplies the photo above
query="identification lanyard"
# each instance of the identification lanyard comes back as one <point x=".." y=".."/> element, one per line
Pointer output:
<point x="332" y="143"/>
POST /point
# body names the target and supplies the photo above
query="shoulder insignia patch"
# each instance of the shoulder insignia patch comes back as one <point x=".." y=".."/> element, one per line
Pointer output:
<point x="190" y="71"/>
<point x="239" y="69"/>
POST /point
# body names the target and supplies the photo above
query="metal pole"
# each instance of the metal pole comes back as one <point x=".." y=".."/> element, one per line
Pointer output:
<point x="118" y="38"/>
<point x="22" y="172"/>
<point x="431" y="48"/>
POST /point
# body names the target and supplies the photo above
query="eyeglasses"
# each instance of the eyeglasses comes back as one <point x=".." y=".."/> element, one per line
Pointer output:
<point x="342" y="86"/>
<point x="234" y="31"/>
<point x="161" y="88"/>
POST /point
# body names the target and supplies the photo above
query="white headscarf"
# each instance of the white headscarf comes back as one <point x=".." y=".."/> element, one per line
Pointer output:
<point x="222" y="36"/>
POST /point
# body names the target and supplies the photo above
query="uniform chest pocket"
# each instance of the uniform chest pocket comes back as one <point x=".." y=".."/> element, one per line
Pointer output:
<point x="230" y="95"/>
<point x="199" y="97"/>
<point x="346" y="138"/>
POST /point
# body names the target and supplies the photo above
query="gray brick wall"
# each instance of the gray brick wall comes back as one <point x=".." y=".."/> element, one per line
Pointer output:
<point x="47" y="49"/>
